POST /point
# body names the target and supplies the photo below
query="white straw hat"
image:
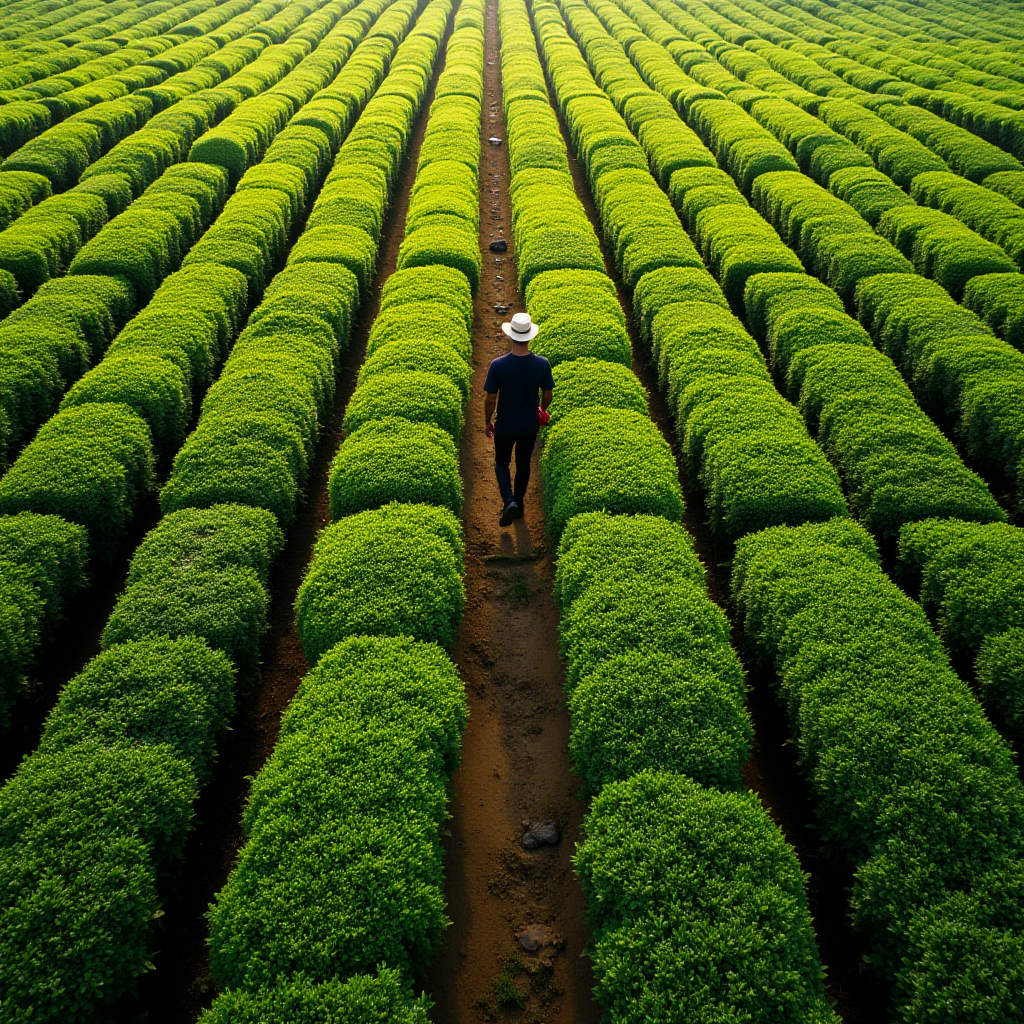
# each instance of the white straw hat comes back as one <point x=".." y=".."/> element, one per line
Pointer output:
<point x="522" y="328"/>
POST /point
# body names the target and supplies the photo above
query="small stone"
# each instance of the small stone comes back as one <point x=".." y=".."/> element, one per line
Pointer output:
<point x="534" y="937"/>
<point x="501" y="308"/>
<point x="494" y="140"/>
<point x="541" y="833"/>
<point x="500" y="245"/>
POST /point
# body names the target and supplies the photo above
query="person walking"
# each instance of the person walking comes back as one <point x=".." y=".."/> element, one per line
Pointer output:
<point x="513" y="383"/>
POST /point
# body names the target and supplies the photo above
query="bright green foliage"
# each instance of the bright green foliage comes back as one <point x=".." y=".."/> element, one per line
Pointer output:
<point x="393" y="571"/>
<point x="575" y="336"/>
<point x="942" y="248"/>
<point x="91" y="465"/>
<point x="968" y="576"/>
<point x="999" y="300"/>
<point x="661" y="288"/>
<point x="415" y="395"/>
<point x="361" y="999"/>
<point x="393" y="459"/>
<point x="612" y="459"/>
<point x="201" y="572"/>
<point x="439" y="284"/>
<point x="342" y="869"/>
<point x="870" y="691"/>
<point x="428" y="356"/>
<point x="871" y="193"/>
<point x="159" y="691"/>
<point x="414" y="321"/>
<point x="588" y="382"/>
<point x="689" y="889"/>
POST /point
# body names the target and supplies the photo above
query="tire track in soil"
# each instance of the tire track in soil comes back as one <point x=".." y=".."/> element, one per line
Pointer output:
<point x="772" y="770"/>
<point x="181" y="986"/>
<point x="515" y="763"/>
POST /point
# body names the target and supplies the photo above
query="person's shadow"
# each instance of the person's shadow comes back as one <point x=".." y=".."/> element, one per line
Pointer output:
<point x="517" y="542"/>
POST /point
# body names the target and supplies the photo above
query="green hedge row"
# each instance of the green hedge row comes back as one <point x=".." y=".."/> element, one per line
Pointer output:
<point x="733" y="426"/>
<point x="999" y="300"/>
<point x="139" y="725"/>
<point x="936" y="850"/>
<point x="342" y="866"/>
<point x="382" y="595"/>
<point x="943" y="248"/>
<point x="992" y="215"/>
<point x="639" y="636"/>
<point x="968" y="380"/>
<point x="896" y="465"/>
<point x="968" y="579"/>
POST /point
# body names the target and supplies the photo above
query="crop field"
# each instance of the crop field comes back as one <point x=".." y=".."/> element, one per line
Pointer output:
<point x="283" y="708"/>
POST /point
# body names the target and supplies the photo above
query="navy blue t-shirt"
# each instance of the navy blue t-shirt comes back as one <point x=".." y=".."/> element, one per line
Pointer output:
<point x="518" y="381"/>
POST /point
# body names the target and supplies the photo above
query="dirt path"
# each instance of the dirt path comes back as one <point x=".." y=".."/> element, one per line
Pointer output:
<point x="180" y="987"/>
<point x="515" y="763"/>
<point x="772" y="770"/>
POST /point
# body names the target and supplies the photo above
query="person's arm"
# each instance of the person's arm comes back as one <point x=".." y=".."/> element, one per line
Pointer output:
<point x="490" y="404"/>
<point x="545" y="398"/>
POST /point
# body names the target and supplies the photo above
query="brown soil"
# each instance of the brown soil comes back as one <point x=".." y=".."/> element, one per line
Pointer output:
<point x="181" y="986"/>
<point x="515" y="764"/>
<point x="772" y="771"/>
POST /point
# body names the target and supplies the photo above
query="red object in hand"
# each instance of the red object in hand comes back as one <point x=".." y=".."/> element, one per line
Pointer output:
<point x="543" y="416"/>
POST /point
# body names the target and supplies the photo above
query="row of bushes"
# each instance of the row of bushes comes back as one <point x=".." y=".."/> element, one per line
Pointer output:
<point x="93" y="463"/>
<point x="655" y="692"/>
<point x="968" y="578"/>
<point x="955" y="379"/>
<point x="968" y="380"/>
<point x="260" y="421"/>
<point x="871" y="697"/>
<point x="348" y="879"/>
<point x="139" y="726"/>
<point x="896" y="465"/>
<point x="734" y="429"/>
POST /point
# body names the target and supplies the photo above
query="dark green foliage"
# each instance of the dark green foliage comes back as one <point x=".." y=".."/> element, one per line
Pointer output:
<point x="82" y="831"/>
<point x="870" y="692"/>
<point x="1000" y="671"/>
<point x="689" y="890"/>
<point x="91" y="465"/>
<point x="968" y="576"/>
<point x="612" y="459"/>
<point x="393" y="571"/>
<point x="361" y="999"/>
<point x="392" y="459"/>
<point x="160" y="691"/>
<point x="342" y="869"/>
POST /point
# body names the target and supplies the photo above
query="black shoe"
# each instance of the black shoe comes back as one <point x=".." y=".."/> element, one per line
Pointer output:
<point x="508" y="513"/>
<point x="520" y="508"/>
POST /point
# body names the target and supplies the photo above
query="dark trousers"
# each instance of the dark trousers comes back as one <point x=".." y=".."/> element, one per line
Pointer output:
<point x="503" y="445"/>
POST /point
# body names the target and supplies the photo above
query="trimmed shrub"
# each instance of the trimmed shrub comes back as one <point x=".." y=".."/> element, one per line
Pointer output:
<point x="91" y="465"/>
<point x="612" y="459"/>
<point x="151" y="692"/>
<point x="367" y="745"/>
<point x="587" y="382"/>
<point x="677" y="878"/>
<point x="393" y="571"/>
<point x="968" y="577"/>
<point x="435" y="284"/>
<point x="80" y="832"/>
<point x="571" y="336"/>
<point x="999" y="668"/>
<point x="412" y="322"/>
<point x="412" y="395"/>
<point x="426" y="356"/>
<point x="362" y="999"/>
<point x="393" y="459"/>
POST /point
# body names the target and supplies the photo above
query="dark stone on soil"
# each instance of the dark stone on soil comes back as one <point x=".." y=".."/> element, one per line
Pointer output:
<point x="501" y="308"/>
<point x="534" y="937"/>
<point x="499" y="246"/>
<point x="542" y="833"/>
<point x="494" y="140"/>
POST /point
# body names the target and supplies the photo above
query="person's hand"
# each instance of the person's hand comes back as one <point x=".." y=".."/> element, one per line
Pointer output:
<point x="489" y="430"/>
